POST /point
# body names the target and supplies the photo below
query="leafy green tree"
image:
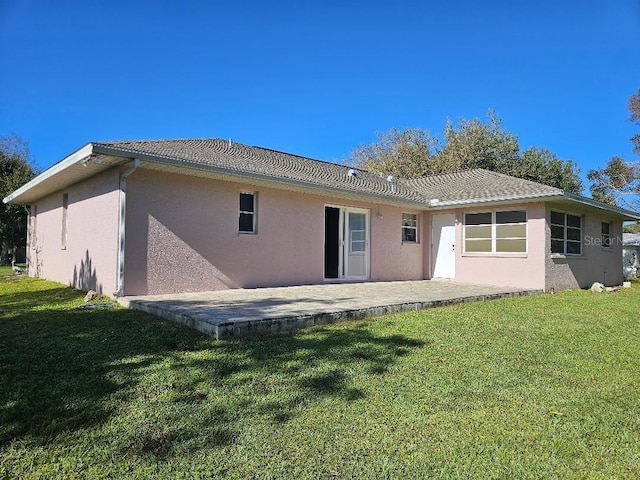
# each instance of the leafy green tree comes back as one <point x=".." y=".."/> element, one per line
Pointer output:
<point x="618" y="183"/>
<point x="16" y="168"/>
<point x="404" y="153"/>
<point x="634" y="109"/>
<point x="477" y="144"/>
<point x="542" y="166"/>
<point x="474" y="143"/>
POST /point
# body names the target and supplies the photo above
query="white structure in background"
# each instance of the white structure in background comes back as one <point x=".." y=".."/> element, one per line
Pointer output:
<point x="631" y="254"/>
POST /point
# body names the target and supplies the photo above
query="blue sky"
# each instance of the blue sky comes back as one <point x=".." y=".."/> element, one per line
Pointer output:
<point x="318" y="78"/>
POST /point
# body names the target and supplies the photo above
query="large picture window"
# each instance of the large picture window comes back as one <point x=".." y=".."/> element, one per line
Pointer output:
<point x="247" y="221"/>
<point x="566" y="233"/>
<point x="496" y="232"/>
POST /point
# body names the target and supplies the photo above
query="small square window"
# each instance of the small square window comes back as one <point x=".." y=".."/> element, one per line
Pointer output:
<point x="410" y="228"/>
<point x="247" y="218"/>
<point x="566" y="233"/>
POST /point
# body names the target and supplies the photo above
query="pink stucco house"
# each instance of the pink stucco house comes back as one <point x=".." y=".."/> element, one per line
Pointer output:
<point x="165" y="216"/>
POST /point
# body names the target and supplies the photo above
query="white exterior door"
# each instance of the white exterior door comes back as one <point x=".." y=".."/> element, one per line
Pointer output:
<point x="356" y="245"/>
<point x="443" y="245"/>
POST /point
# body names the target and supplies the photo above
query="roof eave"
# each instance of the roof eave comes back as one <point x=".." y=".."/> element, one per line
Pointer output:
<point x="76" y="157"/>
<point x="626" y="214"/>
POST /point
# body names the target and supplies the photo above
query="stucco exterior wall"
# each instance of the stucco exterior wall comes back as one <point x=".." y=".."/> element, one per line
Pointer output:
<point x="182" y="235"/>
<point x="512" y="270"/>
<point x="596" y="264"/>
<point x="89" y="259"/>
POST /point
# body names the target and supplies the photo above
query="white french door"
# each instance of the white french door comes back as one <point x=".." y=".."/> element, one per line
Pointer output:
<point x="346" y="243"/>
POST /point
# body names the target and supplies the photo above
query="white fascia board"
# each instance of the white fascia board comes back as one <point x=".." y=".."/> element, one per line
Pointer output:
<point x="438" y="205"/>
<point x="72" y="159"/>
<point x="602" y="206"/>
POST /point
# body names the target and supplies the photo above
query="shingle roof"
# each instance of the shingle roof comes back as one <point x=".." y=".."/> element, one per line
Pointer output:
<point x="470" y="185"/>
<point x="225" y="159"/>
<point x="478" y="185"/>
<point x="270" y="164"/>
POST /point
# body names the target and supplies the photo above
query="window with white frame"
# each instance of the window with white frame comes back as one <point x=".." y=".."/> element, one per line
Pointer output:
<point x="247" y="220"/>
<point x="410" y="228"/>
<point x="606" y="234"/>
<point x="496" y="232"/>
<point x="566" y="233"/>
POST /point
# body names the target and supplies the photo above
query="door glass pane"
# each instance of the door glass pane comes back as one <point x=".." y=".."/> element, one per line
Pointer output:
<point x="356" y="221"/>
<point x="357" y="232"/>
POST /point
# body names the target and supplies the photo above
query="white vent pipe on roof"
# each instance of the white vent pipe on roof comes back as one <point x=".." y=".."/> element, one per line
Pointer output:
<point x="392" y="181"/>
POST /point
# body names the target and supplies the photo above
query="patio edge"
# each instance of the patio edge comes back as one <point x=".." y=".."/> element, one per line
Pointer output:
<point x="261" y="326"/>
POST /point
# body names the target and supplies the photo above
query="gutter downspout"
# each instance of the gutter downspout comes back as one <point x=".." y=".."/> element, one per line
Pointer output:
<point x="121" y="225"/>
<point x="27" y="250"/>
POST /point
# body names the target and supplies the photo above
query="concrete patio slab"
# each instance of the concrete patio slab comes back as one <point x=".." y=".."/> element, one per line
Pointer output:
<point x="243" y="312"/>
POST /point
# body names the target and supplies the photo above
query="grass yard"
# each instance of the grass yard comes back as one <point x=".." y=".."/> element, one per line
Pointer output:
<point x="530" y="387"/>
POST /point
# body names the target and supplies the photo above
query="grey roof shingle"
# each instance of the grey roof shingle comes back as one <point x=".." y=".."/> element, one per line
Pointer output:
<point x="270" y="164"/>
<point x="478" y="184"/>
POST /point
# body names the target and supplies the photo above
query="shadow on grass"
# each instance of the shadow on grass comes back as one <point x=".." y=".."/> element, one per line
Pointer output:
<point x="68" y="370"/>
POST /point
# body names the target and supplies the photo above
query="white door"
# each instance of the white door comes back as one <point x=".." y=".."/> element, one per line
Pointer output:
<point x="356" y="251"/>
<point x="443" y="245"/>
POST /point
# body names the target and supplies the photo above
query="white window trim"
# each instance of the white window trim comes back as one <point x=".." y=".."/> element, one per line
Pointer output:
<point x="493" y="252"/>
<point x="565" y="254"/>
<point x="254" y="214"/>
<point x="416" y="228"/>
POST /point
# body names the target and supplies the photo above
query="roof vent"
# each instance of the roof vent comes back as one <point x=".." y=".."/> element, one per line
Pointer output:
<point x="433" y="202"/>
<point x="391" y="179"/>
<point x="352" y="173"/>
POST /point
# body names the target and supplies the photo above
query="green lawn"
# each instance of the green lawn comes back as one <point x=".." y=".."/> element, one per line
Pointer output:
<point x="531" y="387"/>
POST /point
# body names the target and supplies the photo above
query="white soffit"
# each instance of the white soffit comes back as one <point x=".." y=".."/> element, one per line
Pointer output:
<point x="70" y="170"/>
